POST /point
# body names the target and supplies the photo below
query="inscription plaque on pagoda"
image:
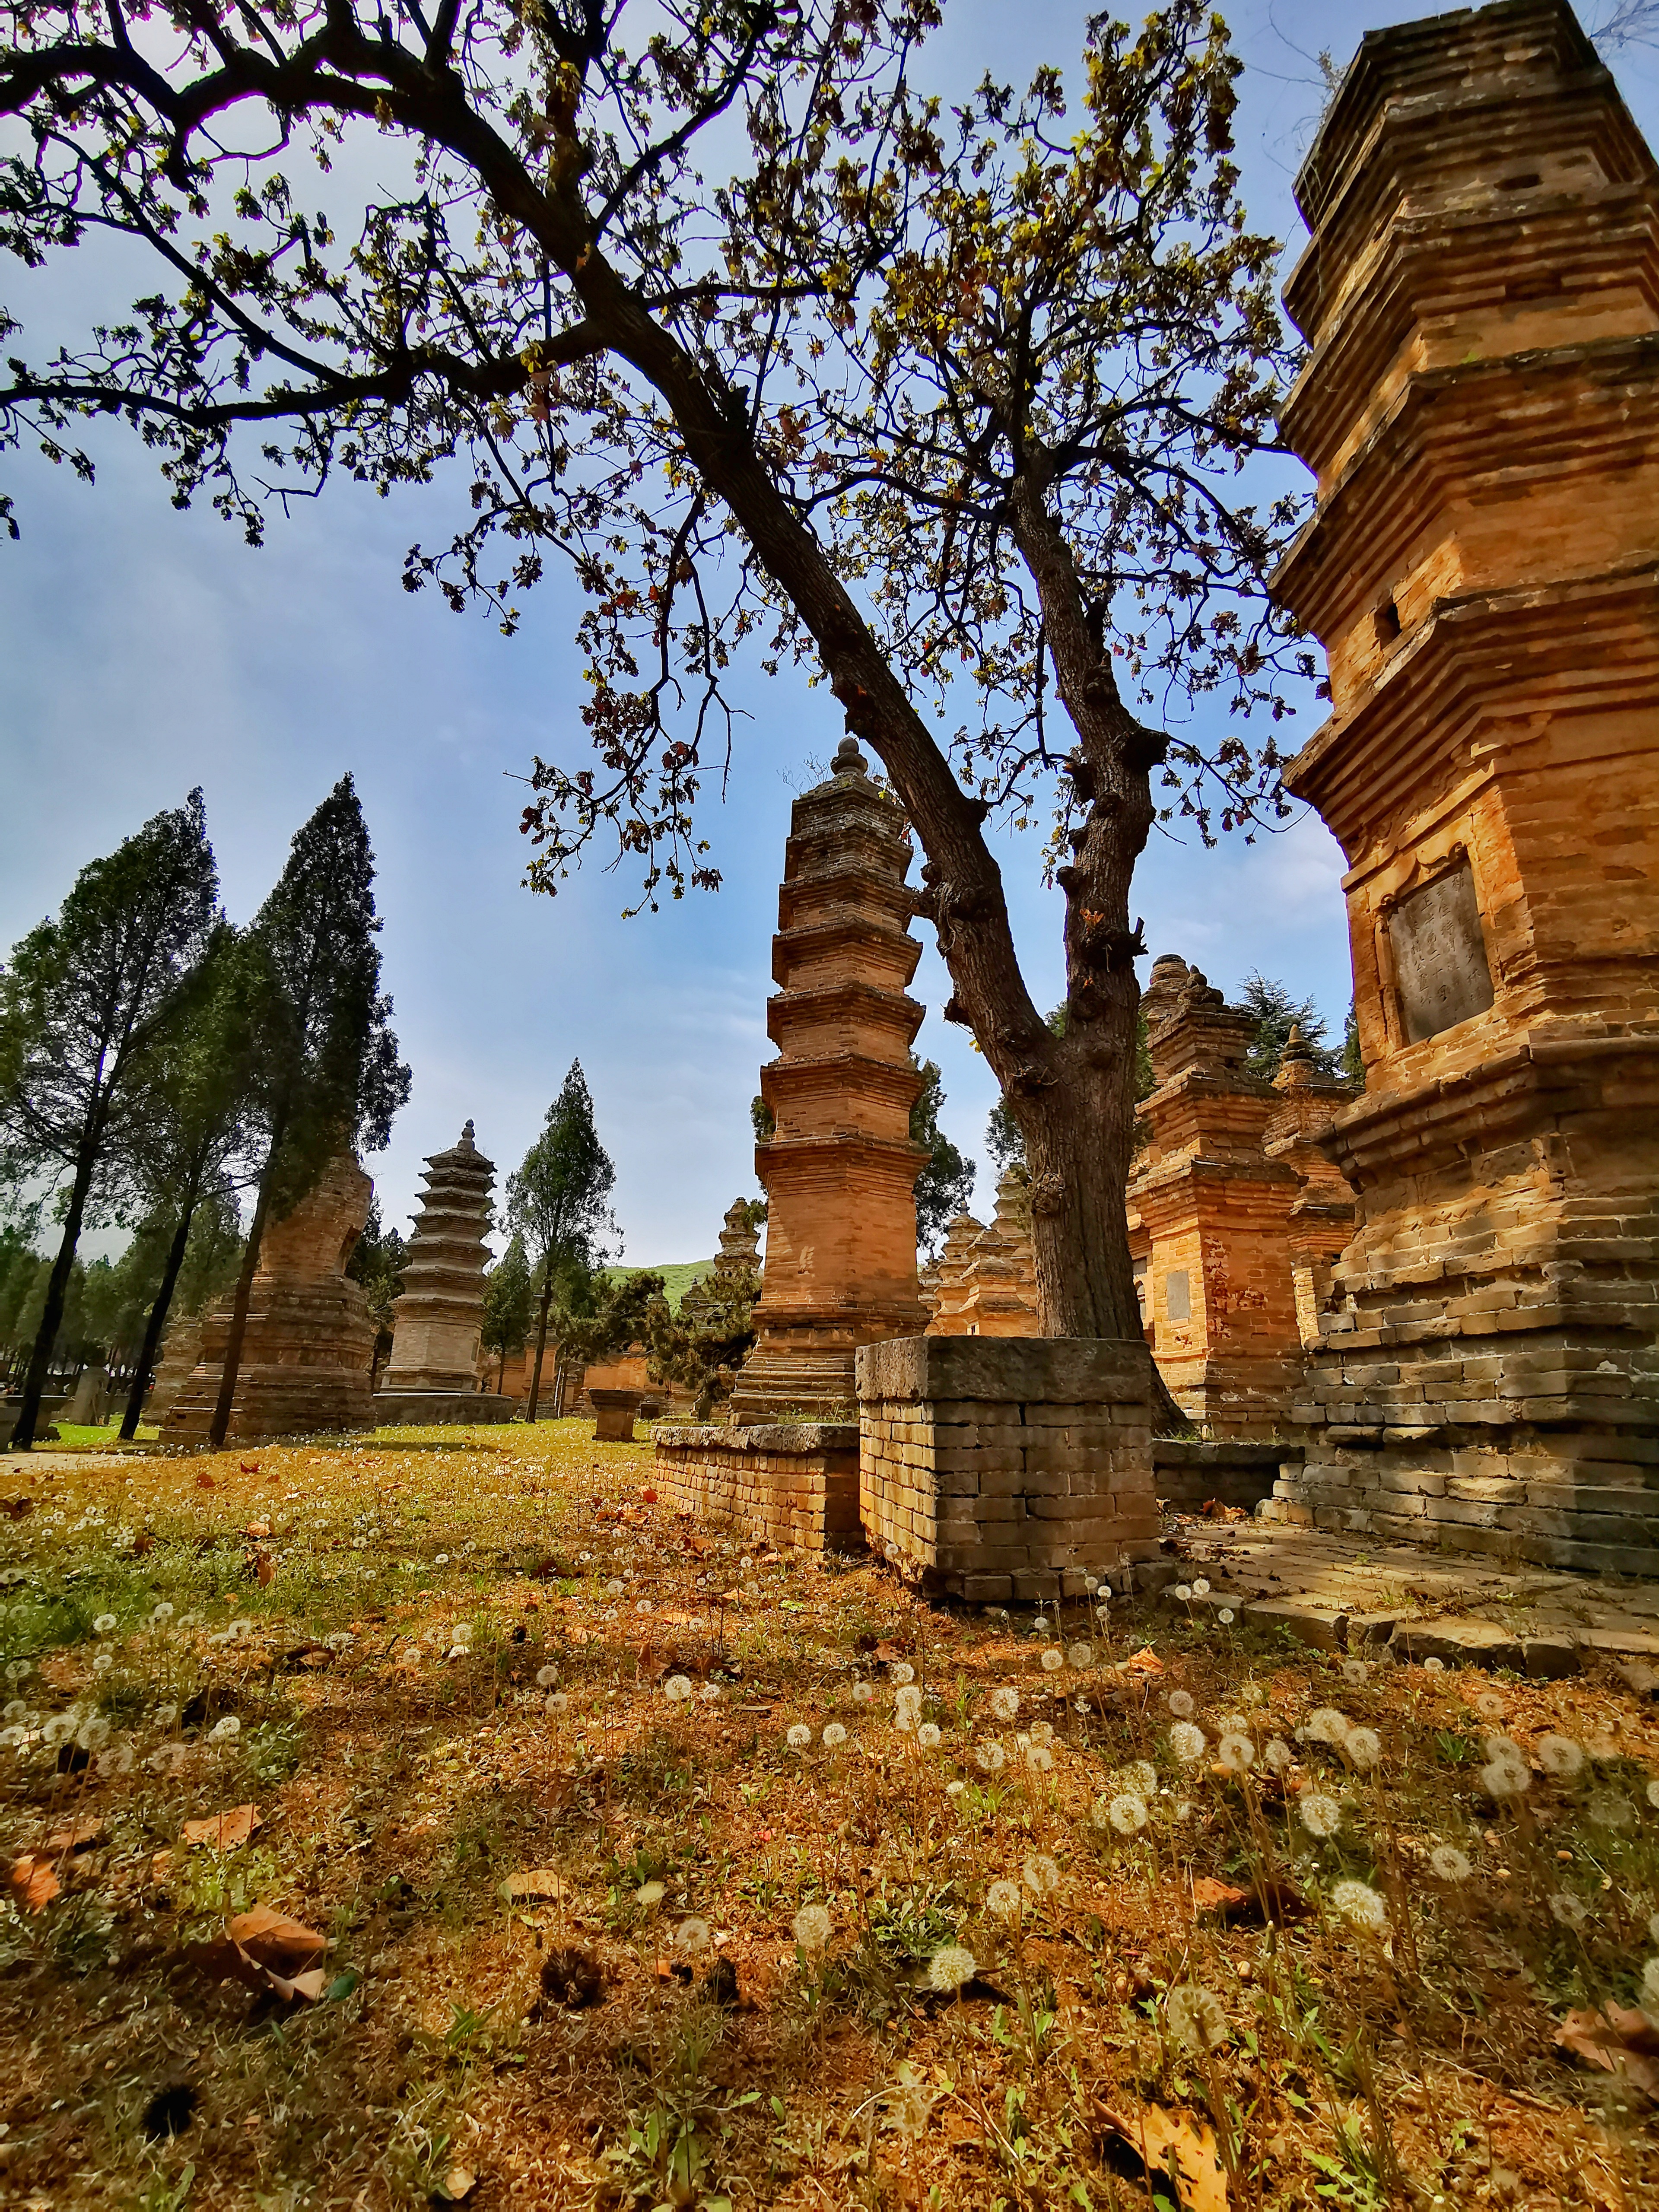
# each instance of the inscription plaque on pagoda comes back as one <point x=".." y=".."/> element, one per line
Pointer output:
<point x="1440" y="955"/>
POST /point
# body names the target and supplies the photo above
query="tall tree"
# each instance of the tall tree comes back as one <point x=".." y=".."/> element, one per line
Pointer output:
<point x="557" y="1202"/>
<point x="327" y="1074"/>
<point x="947" y="1182"/>
<point x="509" y="1300"/>
<point x="377" y="1260"/>
<point x="85" y="997"/>
<point x="922" y="404"/>
<point x="188" y="1125"/>
<point x="1277" y="1014"/>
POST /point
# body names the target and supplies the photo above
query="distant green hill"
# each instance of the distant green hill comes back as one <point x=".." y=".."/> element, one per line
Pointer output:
<point x="678" y="1276"/>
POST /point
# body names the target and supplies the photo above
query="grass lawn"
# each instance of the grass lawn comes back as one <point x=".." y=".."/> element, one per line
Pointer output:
<point x="437" y="1817"/>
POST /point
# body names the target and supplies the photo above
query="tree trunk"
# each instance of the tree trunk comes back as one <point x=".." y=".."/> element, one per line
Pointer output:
<point x="221" y="1423"/>
<point x="34" y="1382"/>
<point x="155" y="1324"/>
<point x="541" y="1341"/>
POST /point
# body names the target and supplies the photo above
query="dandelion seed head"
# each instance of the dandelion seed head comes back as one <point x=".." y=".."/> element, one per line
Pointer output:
<point x="1651" y="1985"/>
<point x="833" y="1736"/>
<point x="1039" y="1759"/>
<point x="14" y="1710"/>
<point x="650" y="1894"/>
<point x="1608" y="1810"/>
<point x="1201" y="1587"/>
<point x="951" y="1968"/>
<point x="1003" y="1898"/>
<point x="1184" y="1592"/>
<point x="1501" y="1777"/>
<point x="1187" y="1741"/>
<point x="93" y="1732"/>
<point x="1490" y="1706"/>
<point x="676" y="1689"/>
<point x="928" y="1735"/>
<point x="908" y="1705"/>
<point x="615" y="1587"/>
<point x="1138" y="1778"/>
<point x="1053" y="1660"/>
<point x="1128" y="1813"/>
<point x="1326" y="1725"/>
<point x="1005" y="1703"/>
<point x="709" y="1693"/>
<point x="1569" y="1911"/>
<point x="1080" y="1656"/>
<point x="1254" y="1694"/>
<point x="1364" y="1747"/>
<point x="862" y="1694"/>
<point x="1225" y="1616"/>
<point x="692" y="1938"/>
<point x="103" y="1624"/>
<point x="1041" y="1874"/>
<point x="990" y="1758"/>
<point x="812" y="1925"/>
<point x="1356" y="1671"/>
<point x="957" y="1788"/>
<point x="1448" y="1864"/>
<point x="798" y="1737"/>
<point x="1041" y="1732"/>
<point x="1278" y="1754"/>
<point x="117" y="1759"/>
<point x="557" y="1702"/>
<point x="1361" y="1907"/>
<point x="901" y="1671"/>
<point x="1434" y="1665"/>
<point x="102" y="1663"/>
<point x="1195" y="2018"/>
<point x="1320" y="1816"/>
<point x="1236" y="1752"/>
<point x="13" y="1737"/>
<point x="342" y="1639"/>
<point x="1180" y="1704"/>
<point x="1560" y="1757"/>
<point x="226" y="1731"/>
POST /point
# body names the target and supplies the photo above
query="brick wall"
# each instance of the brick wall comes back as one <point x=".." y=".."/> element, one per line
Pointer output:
<point x="1006" y="1467"/>
<point x="782" y="1482"/>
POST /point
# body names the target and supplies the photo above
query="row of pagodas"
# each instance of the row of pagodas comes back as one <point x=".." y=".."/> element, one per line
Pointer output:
<point x="308" y="1349"/>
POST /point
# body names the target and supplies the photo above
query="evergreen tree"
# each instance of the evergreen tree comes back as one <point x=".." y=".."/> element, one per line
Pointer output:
<point x="189" y="1125"/>
<point x="377" y="1260"/>
<point x="1276" y="1012"/>
<point x="557" y="1202"/>
<point x="326" y="1074"/>
<point x="84" y="1000"/>
<point x="509" y="1297"/>
<point x="704" y="1344"/>
<point x="1351" y="1067"/>
<point x="947" y="1182"/>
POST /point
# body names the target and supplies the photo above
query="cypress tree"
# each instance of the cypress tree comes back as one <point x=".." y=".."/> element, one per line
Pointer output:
<point x="557" y="1202"/>
<point x="325" y="1070"/>
<point x="86" y="997"/>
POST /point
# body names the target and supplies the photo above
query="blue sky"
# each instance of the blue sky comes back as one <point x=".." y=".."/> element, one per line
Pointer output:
<point x="145" y="651"/>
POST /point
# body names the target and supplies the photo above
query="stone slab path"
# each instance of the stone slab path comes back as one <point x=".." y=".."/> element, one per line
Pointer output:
<point x="1343" y="1592"/>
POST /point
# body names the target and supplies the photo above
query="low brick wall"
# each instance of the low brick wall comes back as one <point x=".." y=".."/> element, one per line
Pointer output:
<point x="1188" y="1475"/>
<point x="1007" y="1467"/>
<point x="784" y="1482"/>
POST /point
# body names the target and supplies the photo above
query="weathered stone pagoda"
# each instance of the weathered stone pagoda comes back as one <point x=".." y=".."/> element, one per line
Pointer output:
<point x="839" y="1168"/>
<point x="986" y="1280"/>
<point x="433" y="1374"/>
<point x="309" y="1344"/>
<point x="1480" y="408"/>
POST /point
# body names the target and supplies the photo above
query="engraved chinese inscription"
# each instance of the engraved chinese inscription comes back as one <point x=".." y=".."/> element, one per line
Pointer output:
<point x="1440" y="955"/>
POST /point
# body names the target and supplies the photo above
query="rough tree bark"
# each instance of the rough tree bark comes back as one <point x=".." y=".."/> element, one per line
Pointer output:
<point x="155" y="1324"/>
<point x="51" y="1314"/>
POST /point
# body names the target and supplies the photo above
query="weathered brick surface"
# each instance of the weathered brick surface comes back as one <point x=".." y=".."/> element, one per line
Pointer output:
<point x="1006" y="1468"/>
<point x="1480" y="407"/>
<point x="795" y="1483"/>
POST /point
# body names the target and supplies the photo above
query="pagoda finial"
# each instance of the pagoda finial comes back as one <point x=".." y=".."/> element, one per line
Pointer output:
<point x="466" y="1134"/>
<point x="849" y="760"/>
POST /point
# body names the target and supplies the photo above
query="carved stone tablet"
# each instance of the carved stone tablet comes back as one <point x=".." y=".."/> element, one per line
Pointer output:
<point x="1177" y="1295"/>
<point x="1440" y="955"/>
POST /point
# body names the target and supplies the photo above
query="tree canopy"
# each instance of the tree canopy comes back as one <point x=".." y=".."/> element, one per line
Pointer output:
<point x="734" y="319"/>
<point x="557" y="1199"/>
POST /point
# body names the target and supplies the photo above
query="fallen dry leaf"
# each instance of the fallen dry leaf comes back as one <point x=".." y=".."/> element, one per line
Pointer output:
<point x="1209" y="1894"/>
<point x="1266" y="1899"/>
<point x="265" y="1567"/>
<point x="535" y="1881"/>
<point x="224" y="1830"/>
<point x="267" y="1950"/>
<point x="33" y="1884"/>
<point x="78" y="1837"/>
<point x="205" y="1482"/>
<point x="457" y="2183"/>
<point x="1170" y="2144"/>
<point x="257" y="1528"/>
<point x="1144" y="1662"/>
<point x="1619" y="2040"/>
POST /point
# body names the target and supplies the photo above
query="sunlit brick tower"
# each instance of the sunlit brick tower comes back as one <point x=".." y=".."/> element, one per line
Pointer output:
<point x="839" y="1167"/>
<point x="1480" y="408"/>
<point x="438" y="1320"/>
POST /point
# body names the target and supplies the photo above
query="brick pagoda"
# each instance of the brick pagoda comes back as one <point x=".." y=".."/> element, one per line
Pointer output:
<point x="839" y="1168"/>
<point x="438" y="1319"/>
<point x="1480" y="408"/>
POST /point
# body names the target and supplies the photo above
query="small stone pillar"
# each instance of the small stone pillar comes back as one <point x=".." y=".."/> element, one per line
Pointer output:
<point x="615" y="1413"/>
<point x="308" y="1346"/>
<point x="1007" y="1468"/>
<point x="839" y="1168"/>
<point x="1483" y="568"/>
<point x="432" y="1372"/>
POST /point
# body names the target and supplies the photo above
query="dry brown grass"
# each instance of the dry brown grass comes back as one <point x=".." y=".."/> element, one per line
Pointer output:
<point x="398" y="1798"/>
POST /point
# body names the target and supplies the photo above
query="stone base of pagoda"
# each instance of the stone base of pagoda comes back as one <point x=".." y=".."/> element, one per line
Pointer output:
<point x="792" y="1483"/>
<point x="803" y="1370"/>
<point x="307" y="1353"/>
<point x="426" y="1409"/>
<point x="1007" y="1468"/>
